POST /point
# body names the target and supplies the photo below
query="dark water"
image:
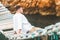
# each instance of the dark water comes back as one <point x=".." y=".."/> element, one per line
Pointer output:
<point x="42" y="21"/>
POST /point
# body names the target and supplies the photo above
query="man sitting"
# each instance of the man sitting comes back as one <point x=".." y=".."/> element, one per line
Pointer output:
<point x="21" y="24"/>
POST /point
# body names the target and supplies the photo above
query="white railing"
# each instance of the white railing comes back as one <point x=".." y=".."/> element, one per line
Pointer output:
<point x="5" y="18"/>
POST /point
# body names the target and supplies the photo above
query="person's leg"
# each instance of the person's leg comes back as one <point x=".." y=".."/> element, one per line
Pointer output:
<point x="34" y="29"/>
